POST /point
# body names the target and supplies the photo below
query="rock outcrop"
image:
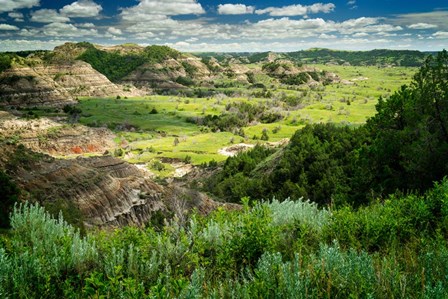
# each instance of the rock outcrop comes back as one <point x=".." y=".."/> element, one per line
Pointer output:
<point x="52" y="85"/>
<point x="55" y="138"/>
<point x="105" y="191"/>
<point x="166" y="74"/>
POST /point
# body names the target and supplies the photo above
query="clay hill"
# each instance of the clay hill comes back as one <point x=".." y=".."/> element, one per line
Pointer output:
<point x="72" y="70"/>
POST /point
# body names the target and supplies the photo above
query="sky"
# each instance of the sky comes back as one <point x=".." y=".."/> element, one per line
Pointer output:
<point x="227" y="26"/>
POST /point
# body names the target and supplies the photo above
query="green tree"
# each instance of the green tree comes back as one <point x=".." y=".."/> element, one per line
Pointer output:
<point x="410" y="133"/>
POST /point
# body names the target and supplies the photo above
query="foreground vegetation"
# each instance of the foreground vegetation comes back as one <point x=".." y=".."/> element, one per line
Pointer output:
<point x="290" y="249"/>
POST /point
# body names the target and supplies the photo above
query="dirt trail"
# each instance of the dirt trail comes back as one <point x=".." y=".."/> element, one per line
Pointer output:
<point x="233" y="150"/>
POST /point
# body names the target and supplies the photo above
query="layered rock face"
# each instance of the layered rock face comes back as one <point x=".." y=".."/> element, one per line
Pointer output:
<point x="52" y="85"/>
<point x="165" y="74"/>
<point x="107" y="191"/>
<point x="53" y="138"/>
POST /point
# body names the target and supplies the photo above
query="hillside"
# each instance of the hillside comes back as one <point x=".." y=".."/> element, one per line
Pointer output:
<point x="373" y="57"/>
<point x="379" y="57"/>
<point x="56" y="78"/>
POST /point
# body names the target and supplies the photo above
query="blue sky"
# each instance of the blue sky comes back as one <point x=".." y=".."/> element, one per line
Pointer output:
<point x="227" y="26"/>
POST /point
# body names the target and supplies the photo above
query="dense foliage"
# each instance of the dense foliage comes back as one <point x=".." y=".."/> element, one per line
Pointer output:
<point x="374" y="57"/>
<point x="410" y="133"/>
<point x="316" y="164"/>
<point x="157" y="54"/>
<point x="5" y="61"/>
<point x="279" y="249"/>
<point x="238" y="115"/>
<point x="111" y="64"/>
<point x="116" y="66"/>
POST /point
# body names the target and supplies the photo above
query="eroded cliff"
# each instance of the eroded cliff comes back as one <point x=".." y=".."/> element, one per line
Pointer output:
<point x="52" y="84"/>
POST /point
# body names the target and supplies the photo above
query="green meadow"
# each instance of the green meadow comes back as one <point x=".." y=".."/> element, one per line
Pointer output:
<point x="154" y="130"/>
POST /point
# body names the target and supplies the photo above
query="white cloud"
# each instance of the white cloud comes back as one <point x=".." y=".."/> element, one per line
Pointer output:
<point x="17" y="16"/>
<point x="327" y="36"/>
<point x="297" y="10"/>
<point x="438" y="18"/>
<point x="67" y="30"/>
<point x="235" y="9"/>
<point x="18" y="44"/>
<point x="441" y="34"/>
<point x="144" y="35"/>
<point x="82" y="9"/>
<point x="86" y="25"/>
<point x="181" y="44"/>
<point x="29" y="32"/>
<point x="8" y="27"/>
<point x="10" y="5"/>
<point x="48" y="16"/>
<point x="365" y="25"/>
<point x="114" y="31"/>
<point x="422" y="26"/>
<point x="146" y="10"/>
<point x="320" y="7"/>
<point x="360" y="34"/>
<point x="292" y="45"/>
<point x="352" y="4"/>
<point x="265" y="30"/>
<point x="192" y="40"/>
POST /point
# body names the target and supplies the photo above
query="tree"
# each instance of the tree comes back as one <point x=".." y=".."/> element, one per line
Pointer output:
<point x="264" y="135"/>
<point x="410" y="133"/>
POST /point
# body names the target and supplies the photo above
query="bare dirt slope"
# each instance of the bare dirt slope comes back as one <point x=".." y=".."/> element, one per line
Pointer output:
<point x="52" y="85"/>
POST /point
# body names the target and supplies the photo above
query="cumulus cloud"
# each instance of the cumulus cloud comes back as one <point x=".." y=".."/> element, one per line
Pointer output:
<point x="441" y="34"/>
<point x="8" y="27"/>
<point x="114" y="31"/>
<point x="360" y="34"/>
<point x="29" y="32"/>
<point x="66" y="30"/>
<point x="422" y="26"/>
<point x="297" y="10"/>
<point x="10" y="5"/>
<point x="352" y="4"/>
<point x="82" y="9"/>
<point x="438" y="18"/>
<point x="86" y="25"/>
<point x="17" y="16"/>
<point x="147" y="9"/>
<point x="292" y="45"/>
<point x="48" y="16"/>
<point x="235" y="9"/>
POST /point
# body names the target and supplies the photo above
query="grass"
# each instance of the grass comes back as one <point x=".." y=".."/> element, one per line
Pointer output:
<point x="350" y="102"/>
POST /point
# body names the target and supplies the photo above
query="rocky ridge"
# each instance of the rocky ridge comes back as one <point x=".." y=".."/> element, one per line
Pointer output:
<point x="55" y="138"/>
<point x="52" y="85"/>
